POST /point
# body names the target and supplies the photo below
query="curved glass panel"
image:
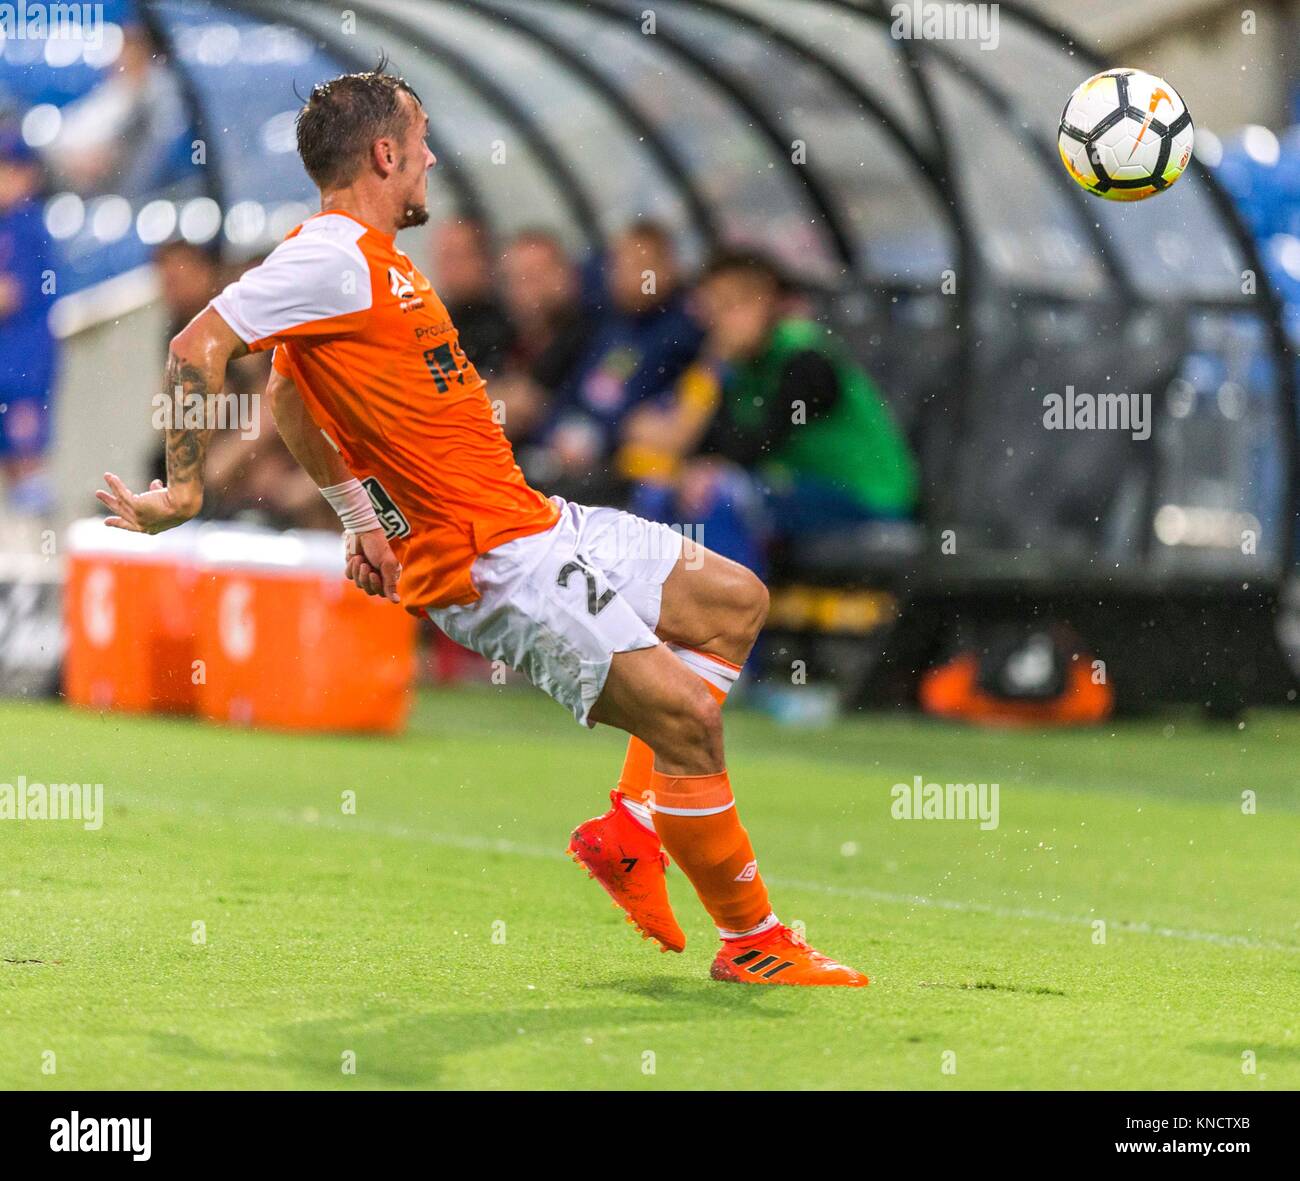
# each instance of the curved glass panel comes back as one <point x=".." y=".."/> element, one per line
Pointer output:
<point x="1055" y="459"/>
<point x="621" y="176"/>
<point x="859" y="45"/>
<point x="888" y="208"/>
<point x="517" y="194"/>
<point x="1220" y="430"/>
<point x="751" y="183"/>
<point x="1171" y="246"/>
<point x="1026" y="228"/>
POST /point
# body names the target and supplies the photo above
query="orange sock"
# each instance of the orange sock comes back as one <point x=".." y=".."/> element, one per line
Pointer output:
<point x="695" y="817"/>
<point x="718" y="674"/>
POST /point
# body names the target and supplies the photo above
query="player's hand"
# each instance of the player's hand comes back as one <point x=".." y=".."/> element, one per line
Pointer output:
<point x="154" y="511"/>
<point x="372" y="565"/>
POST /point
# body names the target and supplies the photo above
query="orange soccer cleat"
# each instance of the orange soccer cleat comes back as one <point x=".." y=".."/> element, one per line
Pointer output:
<point x="780" y="956"/>
<point x="626" y="860"/>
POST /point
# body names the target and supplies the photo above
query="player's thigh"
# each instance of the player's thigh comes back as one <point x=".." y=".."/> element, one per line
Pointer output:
<point x="635" y="554"/>
<point x="712" y="603"/>
<point x="547" y="611"/>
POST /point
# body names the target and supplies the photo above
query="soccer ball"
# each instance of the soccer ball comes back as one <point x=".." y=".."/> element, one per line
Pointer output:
<point x="1125" y="135"/>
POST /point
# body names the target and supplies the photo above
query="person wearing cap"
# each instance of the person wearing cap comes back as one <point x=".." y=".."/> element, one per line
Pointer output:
<point x="28" y="351"/>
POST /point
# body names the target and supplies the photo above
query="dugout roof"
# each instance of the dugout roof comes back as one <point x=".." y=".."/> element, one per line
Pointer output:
<point x="911" y="182"/>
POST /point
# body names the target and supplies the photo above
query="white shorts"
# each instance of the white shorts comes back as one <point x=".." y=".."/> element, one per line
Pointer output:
<point x="557" y="605"/>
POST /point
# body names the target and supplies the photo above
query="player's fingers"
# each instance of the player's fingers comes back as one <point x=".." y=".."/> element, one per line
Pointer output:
<point x="390" y="572"/>
<point x="124" y="493"/>
<point x="121" y="509"/>
<point x="374" y="584"/>
<point x="118" y="523"/>
<point x="156" y="485"/>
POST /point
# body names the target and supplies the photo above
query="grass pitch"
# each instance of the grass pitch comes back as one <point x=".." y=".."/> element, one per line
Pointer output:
<point x="439" y="935"/>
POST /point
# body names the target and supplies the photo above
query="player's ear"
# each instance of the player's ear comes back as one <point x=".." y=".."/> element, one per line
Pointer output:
<point x="384" y="156"/>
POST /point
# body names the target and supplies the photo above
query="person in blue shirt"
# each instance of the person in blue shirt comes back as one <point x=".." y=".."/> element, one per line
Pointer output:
<point x="644" y="338"/>
<point x="28" y="352"/>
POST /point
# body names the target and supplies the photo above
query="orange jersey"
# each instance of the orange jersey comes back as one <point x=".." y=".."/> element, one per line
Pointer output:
<point x="378" y="363"/>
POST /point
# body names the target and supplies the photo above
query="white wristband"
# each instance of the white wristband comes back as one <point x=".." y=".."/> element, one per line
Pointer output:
<point x="352" y="503"/>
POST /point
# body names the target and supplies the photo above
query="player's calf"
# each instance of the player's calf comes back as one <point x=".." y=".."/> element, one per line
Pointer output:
<point x="690" y="801"/>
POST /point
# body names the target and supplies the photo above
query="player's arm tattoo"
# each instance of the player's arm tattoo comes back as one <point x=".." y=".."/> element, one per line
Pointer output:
<point x="189" y="387"/>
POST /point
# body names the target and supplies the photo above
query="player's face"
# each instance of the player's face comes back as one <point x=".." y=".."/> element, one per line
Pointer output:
<point x="413" y="168"/>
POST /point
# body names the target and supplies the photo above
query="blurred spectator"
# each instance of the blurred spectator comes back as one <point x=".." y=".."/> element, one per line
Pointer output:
<point x="541" y="288"/>
<point x="129" y="134"/>
<point x="257" y="480"/>
<point x="640" y="347"/>
<point x="188" y="277"/>
<point x="27" y="347"/>
<point x="462" y="265"/>
<point x="791" y="437"/>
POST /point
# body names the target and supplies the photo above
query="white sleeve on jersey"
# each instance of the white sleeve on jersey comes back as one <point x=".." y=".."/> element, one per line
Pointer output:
<point x="313" y="278"/>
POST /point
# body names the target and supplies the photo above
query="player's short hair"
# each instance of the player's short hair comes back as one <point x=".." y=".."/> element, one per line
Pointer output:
<point x="756" y="264"/>
<point x="344" y="116"/>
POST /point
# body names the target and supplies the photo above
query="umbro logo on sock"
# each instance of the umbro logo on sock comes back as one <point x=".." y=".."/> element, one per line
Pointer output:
<point x="748" y="874"/>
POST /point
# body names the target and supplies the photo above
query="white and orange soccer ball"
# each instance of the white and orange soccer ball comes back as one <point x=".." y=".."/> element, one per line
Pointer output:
<point x="1125" y="135"/>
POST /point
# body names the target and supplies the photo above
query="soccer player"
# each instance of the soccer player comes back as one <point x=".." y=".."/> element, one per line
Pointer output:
<point x="617" y="618"/>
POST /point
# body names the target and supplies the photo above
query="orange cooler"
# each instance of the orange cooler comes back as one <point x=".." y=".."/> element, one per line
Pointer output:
<point x="128" y="613"/>
<point x="284" y="641"/>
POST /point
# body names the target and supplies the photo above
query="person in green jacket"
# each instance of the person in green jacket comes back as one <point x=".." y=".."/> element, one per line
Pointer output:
<point x="786" y="435"/>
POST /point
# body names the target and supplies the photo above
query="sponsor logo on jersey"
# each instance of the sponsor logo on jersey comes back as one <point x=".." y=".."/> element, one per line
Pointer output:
<point x="399" y="284"/>
<point x="392" y="518"/>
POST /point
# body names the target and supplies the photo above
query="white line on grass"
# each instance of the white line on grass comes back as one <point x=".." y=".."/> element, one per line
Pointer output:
<point x="504" y="845"/>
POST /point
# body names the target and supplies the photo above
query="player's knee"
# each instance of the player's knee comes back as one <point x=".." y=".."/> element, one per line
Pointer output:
<point x="705" y="716"/>
<point x="692" y="721"/>
<point x="749" y="605"/>
<point x="757" y="603"/>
